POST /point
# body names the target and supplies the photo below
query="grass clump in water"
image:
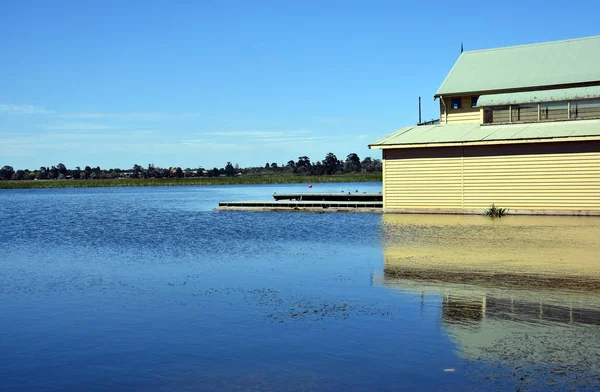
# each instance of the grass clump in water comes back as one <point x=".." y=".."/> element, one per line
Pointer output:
<point x="495" y="212"/>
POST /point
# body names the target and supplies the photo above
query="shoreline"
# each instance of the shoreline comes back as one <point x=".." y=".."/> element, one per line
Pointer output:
<point x="194" y="181"/>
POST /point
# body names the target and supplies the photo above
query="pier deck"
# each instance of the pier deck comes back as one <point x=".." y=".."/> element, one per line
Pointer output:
<point x="342" y="196"/>
<point x="302" y="205"/>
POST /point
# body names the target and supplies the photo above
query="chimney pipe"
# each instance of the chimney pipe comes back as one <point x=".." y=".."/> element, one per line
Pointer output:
<point x="419" y="110"/>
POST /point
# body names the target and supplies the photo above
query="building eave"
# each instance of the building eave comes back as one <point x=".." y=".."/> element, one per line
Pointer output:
<point x="483" y="143"/>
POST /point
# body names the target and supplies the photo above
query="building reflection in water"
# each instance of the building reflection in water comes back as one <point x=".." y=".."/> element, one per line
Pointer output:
<point x="523" y="291"/>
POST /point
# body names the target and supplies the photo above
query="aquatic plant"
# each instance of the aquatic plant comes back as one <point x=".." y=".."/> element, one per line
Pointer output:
<point x="279" y="179"/>
<point x="495" y="212"/>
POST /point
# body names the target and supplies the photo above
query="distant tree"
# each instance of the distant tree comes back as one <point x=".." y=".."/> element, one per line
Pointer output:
<point x="291" y="164"/>
<point x="53" y="173"/>
<point x="318" y="169"/>
<point x="178" y="172"/>
<point x="331" y="163"/>
<point x="352" y="163"/>
<point x="137" y="171"/>
<point x="19" y="175"/>
<point x="376" y="165"/>
<point x="151" y="172"/>
<point x="62" y="169"/>
<point x="6" y="172"/>
<point x="366" y="164"/>
<point x="303" y="161"/>
<point x="41" y="174"/>
<point x="214" y="172"/>
<point x="267" y="166"/>
<point x="229" y="170"/>
<point x="273" y="165"/>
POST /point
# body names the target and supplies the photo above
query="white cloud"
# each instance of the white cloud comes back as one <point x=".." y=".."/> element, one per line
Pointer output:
<point x="134" y="116"/>
<point x="77" y="127"/>
<point x="332" y="120"/>
<point x="24" y="109"/>
<point x="252" y="139"/>
<point x="257" y="133"/>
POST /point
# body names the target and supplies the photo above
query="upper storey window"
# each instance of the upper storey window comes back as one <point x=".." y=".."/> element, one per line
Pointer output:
<point x="544" y="111"/>
<point x="552" y="111"/>
<point x="456" y="103"/>
<point x="585" y="109"/>
<point x="474" y="99"/>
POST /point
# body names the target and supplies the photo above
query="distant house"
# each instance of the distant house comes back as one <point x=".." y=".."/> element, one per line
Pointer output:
<point x="519" y="127"/>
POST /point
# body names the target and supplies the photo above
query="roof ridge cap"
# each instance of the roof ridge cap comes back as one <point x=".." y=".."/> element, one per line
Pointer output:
<point x="532" y="44"/>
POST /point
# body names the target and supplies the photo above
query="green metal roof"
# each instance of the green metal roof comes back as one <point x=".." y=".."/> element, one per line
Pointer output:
<point x="526" y="66"/>
<point x="564" y="94"/>
<point x="453" y="134"/>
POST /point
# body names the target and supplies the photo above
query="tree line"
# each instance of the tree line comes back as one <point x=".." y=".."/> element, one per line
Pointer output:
<point x="303" y="166"/>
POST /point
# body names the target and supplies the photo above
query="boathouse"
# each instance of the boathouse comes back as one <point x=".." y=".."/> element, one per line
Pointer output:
<point x="519" y="127"/>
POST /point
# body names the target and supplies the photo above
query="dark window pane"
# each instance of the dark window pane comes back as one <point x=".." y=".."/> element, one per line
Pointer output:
<point x="474" y="99"/>
<point x="524" y="113"/>
<point x="554" y="111"/>
<point x="585" y="109"/>
<point x="488" y="116"/>
<point x="456" y="103"/>
<point x="496" y="114"/>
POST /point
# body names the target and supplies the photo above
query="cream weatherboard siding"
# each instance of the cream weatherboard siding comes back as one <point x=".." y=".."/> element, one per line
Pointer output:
<point x="464" y="114"/>
<point x="557" y="176"/>
<point x="422" y="181"/>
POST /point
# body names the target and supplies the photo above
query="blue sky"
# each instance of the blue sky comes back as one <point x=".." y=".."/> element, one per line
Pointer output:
<point x="200" y="83"/>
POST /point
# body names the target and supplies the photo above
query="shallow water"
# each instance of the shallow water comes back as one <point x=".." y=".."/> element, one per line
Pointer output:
<point x="149" y="289"/>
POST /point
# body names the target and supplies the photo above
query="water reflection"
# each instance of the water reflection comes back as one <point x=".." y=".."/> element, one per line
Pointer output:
<point x="521" y="291"/>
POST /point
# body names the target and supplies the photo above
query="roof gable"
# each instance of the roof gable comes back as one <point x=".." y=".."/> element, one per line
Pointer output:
<point x="526" y="66"/>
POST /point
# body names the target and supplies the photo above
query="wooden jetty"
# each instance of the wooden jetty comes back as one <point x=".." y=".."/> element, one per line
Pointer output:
<point x="311" y="202"/>
<point x="342" y="196"/>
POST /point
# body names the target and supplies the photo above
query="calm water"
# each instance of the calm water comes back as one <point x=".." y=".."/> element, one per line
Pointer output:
<point x="149" y="289"/>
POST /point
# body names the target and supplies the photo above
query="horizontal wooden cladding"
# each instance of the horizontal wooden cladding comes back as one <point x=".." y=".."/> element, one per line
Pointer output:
<point x="549" y="176"/>
<point x="457" y="117"/>
<point x="424" y="183"/>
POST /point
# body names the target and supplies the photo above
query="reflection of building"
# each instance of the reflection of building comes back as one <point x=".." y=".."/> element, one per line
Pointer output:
<point x="525" y="290"/>
<point x="554" y="329"/>
<point x="510" y="306"/>
<point x="519" y="127"/>
<point x="519" y="251"/>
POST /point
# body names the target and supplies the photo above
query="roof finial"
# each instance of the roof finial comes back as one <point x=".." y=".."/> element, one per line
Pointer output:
<point x="462" y="49"/>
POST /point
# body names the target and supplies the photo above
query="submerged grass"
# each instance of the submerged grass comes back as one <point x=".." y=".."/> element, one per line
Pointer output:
<point x="372" y="177"/>
<point x="495" y="212"/>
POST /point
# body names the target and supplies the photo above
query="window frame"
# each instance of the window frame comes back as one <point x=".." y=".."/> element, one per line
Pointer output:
<point x="456" y="99"/>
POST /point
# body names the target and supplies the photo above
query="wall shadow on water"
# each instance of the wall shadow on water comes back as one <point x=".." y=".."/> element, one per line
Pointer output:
<point x="521" y="294"/>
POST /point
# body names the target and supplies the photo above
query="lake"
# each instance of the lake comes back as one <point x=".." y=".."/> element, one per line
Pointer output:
<point x="150" y="289"/>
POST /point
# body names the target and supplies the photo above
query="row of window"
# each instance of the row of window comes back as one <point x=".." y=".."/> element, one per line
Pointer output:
<point x="456" y="103"/>
<point x="546" y="111"/>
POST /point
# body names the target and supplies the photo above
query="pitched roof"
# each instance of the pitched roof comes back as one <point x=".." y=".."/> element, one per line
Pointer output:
<point x="525" y="66"/>
<point x="474" y="133"/>
<point x="564" y="94"/>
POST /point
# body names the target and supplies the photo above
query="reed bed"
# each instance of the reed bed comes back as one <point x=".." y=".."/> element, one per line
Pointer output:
<point x="30" y="184"/>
